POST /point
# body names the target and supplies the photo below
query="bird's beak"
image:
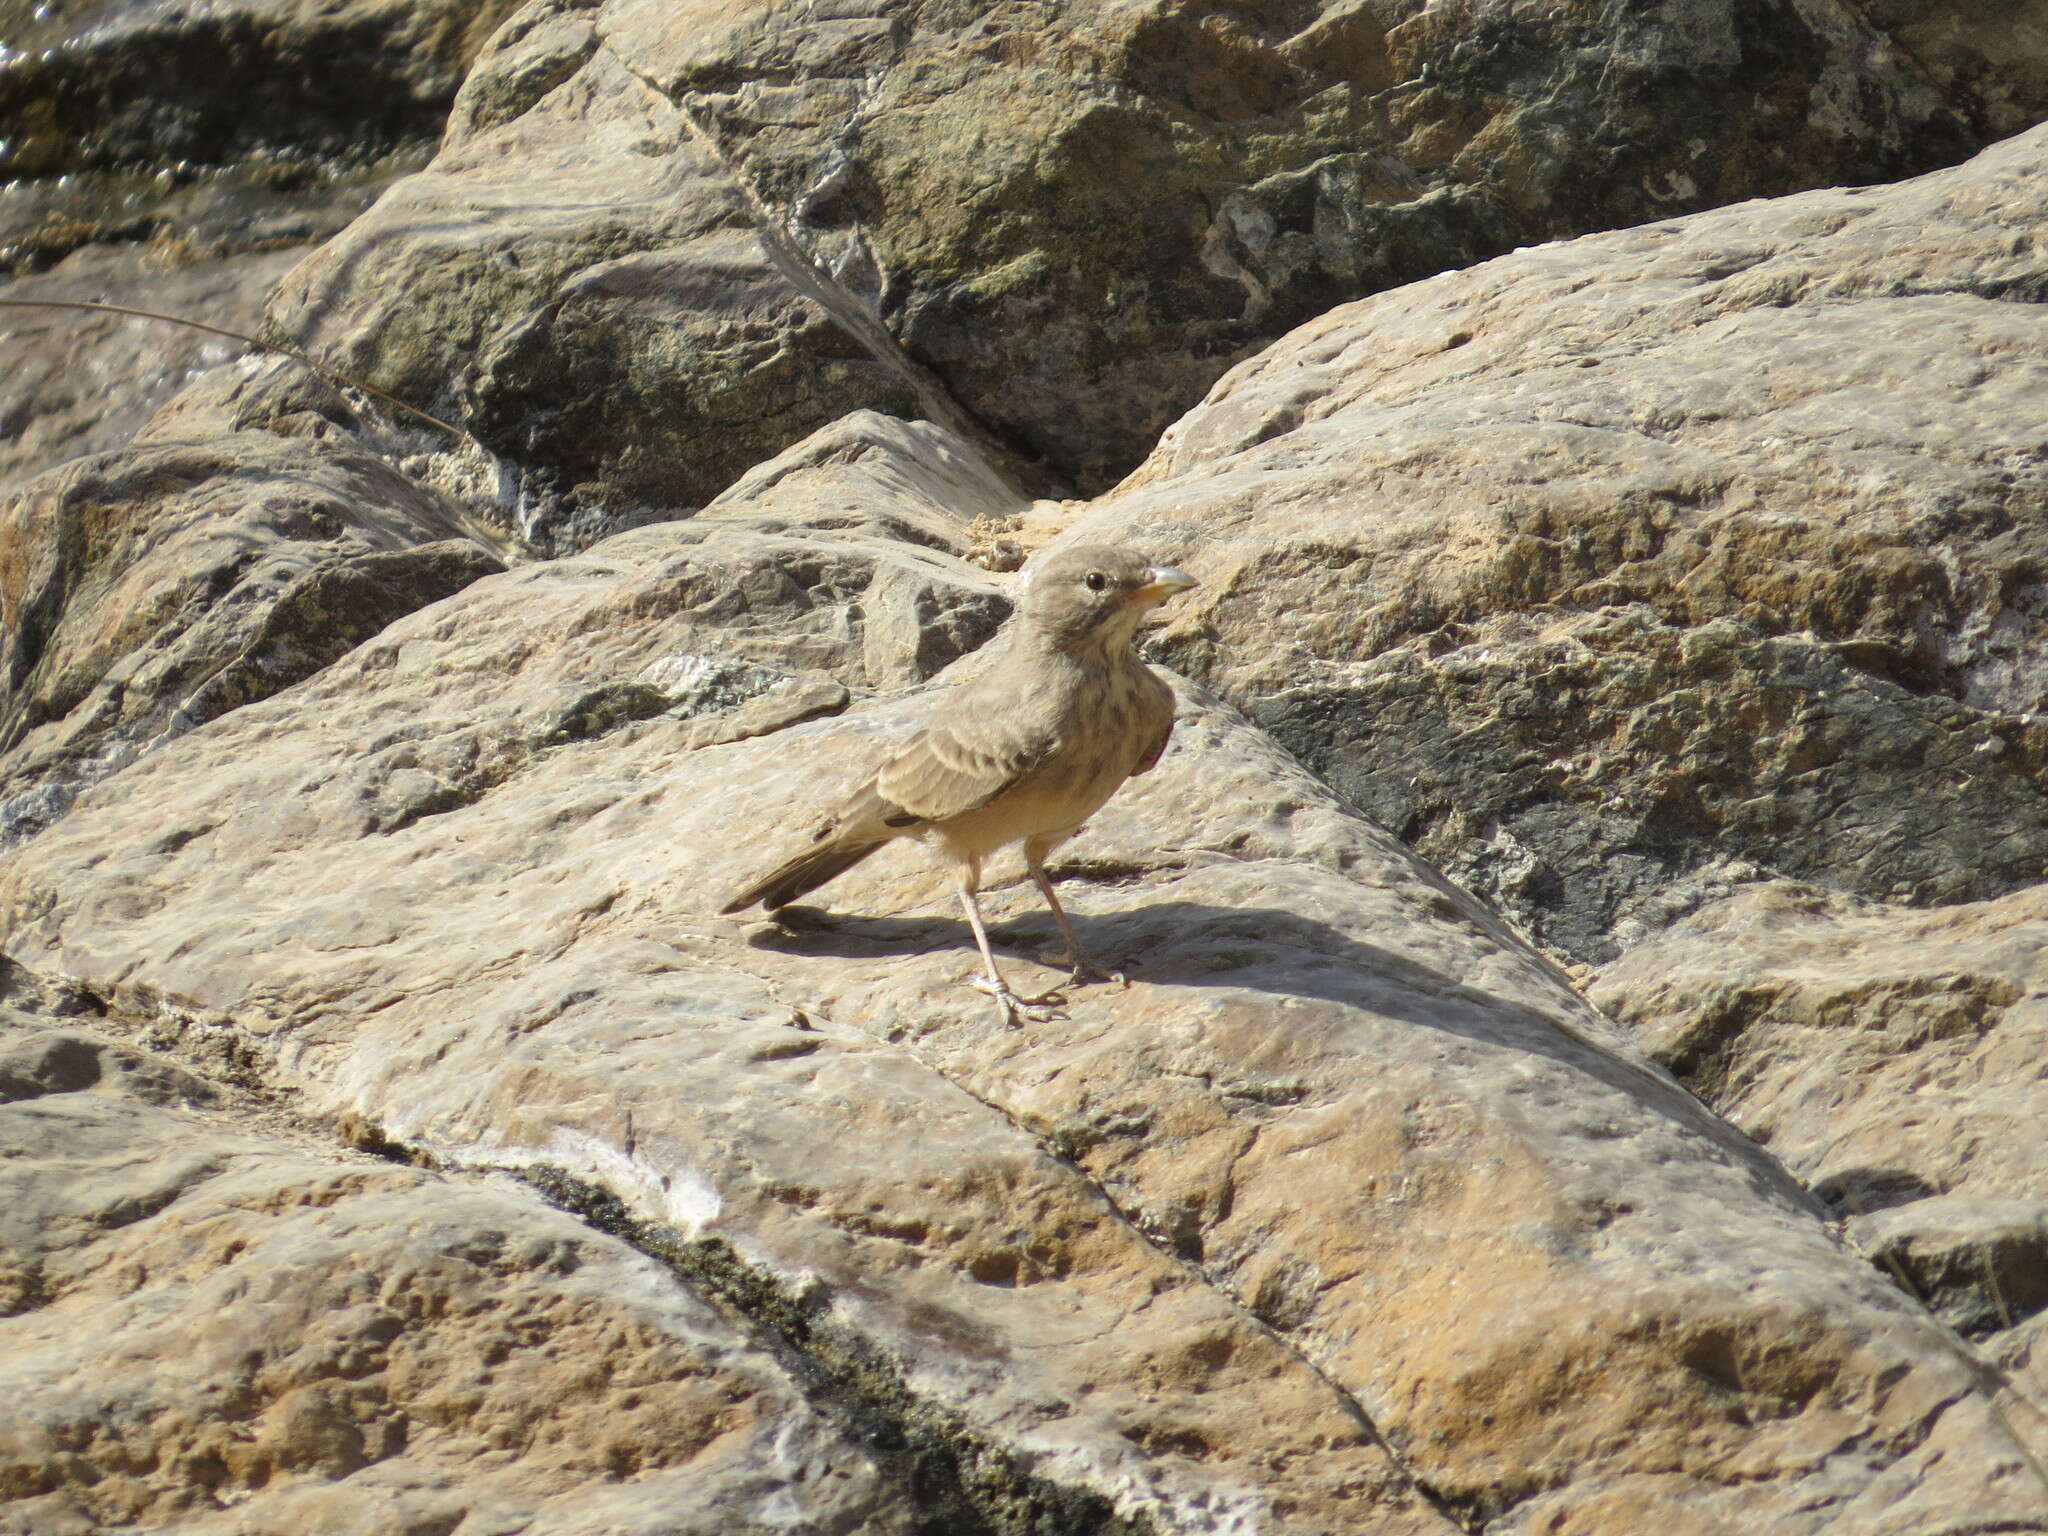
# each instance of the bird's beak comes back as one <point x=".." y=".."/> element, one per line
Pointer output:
<point x="1163" y="581"/>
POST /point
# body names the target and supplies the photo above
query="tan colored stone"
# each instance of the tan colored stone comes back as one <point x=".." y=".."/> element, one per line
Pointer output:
<point x="1865" y="1045"/>
<point x="231" y="1330"/>
<point x="148" y="591"/>
<point x="1892" y="1059"/>
<point x="1614" y="573"/>
<point x="83" y="383"/>
<point x="1046" y="227"/>
<point x="1345" y="1162"/>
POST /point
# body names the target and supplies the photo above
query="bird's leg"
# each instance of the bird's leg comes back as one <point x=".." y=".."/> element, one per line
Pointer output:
<point x="1084" y="967"/>
<point x="1015" y="1010"/>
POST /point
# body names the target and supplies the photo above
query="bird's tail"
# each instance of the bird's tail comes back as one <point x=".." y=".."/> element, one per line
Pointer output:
<point x="806" y="872"/>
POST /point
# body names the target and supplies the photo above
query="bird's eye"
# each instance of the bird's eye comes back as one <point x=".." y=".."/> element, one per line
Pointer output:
<point x="1097" y="581"/>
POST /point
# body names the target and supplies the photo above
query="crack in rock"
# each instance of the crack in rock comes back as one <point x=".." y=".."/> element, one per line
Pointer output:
<point x="967" y="1485"/>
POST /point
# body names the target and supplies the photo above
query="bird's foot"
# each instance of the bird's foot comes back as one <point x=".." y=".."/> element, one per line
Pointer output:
<point x="1019" y="1011"/>
<point x="1081" y="970"/>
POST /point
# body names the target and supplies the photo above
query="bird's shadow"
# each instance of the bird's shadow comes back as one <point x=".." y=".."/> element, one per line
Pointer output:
<point x="1282" y="953"/>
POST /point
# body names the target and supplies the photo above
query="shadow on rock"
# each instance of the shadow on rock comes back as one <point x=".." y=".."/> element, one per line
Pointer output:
<point x="1859" y="1191"/>
<point x="1284" y="954"/>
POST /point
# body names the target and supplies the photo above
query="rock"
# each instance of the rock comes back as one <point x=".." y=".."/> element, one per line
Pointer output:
<point x="84" y="383"/>
<point x="216" y="129"/>
<point x="213" y="1324"/>
<point x="1985" y="54"/>
<point x="395" y="1142"/>
<point x="1047" y="228"/>
<point x="1348" y="1215"/>
<point x="1614" y="574"/>
<point x="36" y="1060"/>
<point x="583" y="353"/>
<point x="1883" y="1054"/>
<point x="148" y="591"/>
<point x="181" y="157"/>
<point x="91" y="87"/>
<point x="1982" y="1265"/>
<point x="788" y="703"/>
<point x="1891" y="1059"/>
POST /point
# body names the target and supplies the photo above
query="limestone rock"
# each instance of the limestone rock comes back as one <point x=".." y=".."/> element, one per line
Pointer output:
<point x="84" y="383"/>
<point x="1982" y="1265"/>
<point x="1891" y="1058"/>
<point x="638" y="347"/>
<point x="1987" y="55"/>
<point x="1615" y="573"/>
<point x="146" y="591"/>
<point x="1347" y="1216"/>
<point x="1833" y="1030"/>
<point x="180" y="157"/>
<point x="1048" y="228"/>
<point x="94" y="87"/>
<point x="214" y="128"/>
<point x="211" y="1325"/>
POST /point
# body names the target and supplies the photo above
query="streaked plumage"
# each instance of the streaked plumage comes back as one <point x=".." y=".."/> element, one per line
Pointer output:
<point x="1026" y="753"/>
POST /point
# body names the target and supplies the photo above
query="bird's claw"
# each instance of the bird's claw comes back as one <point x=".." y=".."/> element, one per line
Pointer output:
<point x="1019" y="1011"/>
<point x="1081" y="970"/>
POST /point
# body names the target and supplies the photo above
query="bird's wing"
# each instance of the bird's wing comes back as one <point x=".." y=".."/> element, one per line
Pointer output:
<point x="1151" y="758"/>
<point x="1164" y="696"/>
<point x="959" y="765"/>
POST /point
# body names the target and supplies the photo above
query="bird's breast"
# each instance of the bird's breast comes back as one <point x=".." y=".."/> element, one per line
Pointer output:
<point x="1109" y="725"/>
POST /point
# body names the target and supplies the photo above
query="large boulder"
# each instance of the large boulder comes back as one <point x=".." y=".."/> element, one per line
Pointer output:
<point x="397" y="1141"/>
<point x="1348" y="1215"/>
<point x="214" y="1323"/>
<point x="661" y="242"/>
<point x="1615" y="573"/>
<point x="190" y="84"/>
<point x="245" y="542"/>
<point x="1892" y="1059"/>
<point x="181" y="157"/>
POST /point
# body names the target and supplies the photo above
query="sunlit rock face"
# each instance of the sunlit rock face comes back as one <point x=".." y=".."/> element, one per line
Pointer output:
<point x="1052" y="225"/>
<point x="1615" y="574"/>
<point x="395" y="1140"/>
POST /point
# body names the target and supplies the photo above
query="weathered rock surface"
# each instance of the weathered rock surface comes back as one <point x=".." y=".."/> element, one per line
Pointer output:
<point x="80" y="383"/>
<point x="146" y="591"/>
<point x="1347" y="1216"/>
<point x="88" y="86"/>
<point x="1988" y="56"/>
<point x="1612" y="575"/>
<point x="181" y="157"/>
<point x="208" y="1324"/>
<point x="214" y="128"/>
<point x="1050" y="226"/>
<point x="1615" y="573"/>
<point x="1892" y="1059"/>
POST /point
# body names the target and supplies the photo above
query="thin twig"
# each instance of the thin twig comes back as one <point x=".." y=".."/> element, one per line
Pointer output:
<point x="321" y="370"/>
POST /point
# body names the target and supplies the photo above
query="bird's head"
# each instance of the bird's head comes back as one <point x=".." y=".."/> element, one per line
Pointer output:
<point x="1093" y="595"/>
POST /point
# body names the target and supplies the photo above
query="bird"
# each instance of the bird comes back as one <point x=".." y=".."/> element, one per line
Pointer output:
<point x="1027" y="752"/>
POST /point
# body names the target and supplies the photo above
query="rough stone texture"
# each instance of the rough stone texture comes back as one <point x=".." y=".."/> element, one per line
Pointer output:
<point x="180" y="157"/>
<point x="1612" y="574"/>
<point x="1981" y="1265"/>
<point x="1347" y="1216"/>
<point x="210" y="1325"/>
<point x="80" y="383"/>
<point x="146" y="591"/>
<point x="88" y="86"/>
<point x="212" y="127"/>
<point x="1989" y="56"/>
<point x="1052" y="226"/>
<point x="1892" y="1059"/>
